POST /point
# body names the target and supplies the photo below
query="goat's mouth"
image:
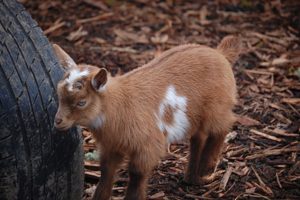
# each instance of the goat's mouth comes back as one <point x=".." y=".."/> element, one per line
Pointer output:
<point x="63" y="127"/>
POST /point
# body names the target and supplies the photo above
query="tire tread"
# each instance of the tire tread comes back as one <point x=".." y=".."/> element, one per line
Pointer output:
<point x="31" y="160"/>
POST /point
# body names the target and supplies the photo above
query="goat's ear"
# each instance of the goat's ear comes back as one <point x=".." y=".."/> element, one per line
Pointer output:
<point x="64" y="59"/>
<point x="99" y="80"/>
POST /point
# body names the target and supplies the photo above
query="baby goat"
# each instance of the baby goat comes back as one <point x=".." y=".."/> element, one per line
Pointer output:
<point x="186" y="92"/>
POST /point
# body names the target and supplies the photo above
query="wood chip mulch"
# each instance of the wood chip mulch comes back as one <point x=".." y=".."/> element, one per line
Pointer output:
<point x="261" y="157"/>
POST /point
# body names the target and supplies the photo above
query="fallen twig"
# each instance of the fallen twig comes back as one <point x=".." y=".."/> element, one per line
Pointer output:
<point x="57" y="24"/>
<point x="97" y="4"/>
<point x="210" y="191"/>
<point x="295" y="101"/>
<point x="279" y="61"/>
<point x="91" y="165"/>
<point x="91" y="174"/>
<point x="263" y="186"/>
<point x="293" y="168"/>
<point x="158" y="195"/>
<point x="225" y="178"/>
<point x="197" y="196"/>
<point x="266" y="135"/>
<point x="96" y="18"/>
<point x="76" y="35"/>
<point x="281" y="132"/>
<point x="278" y="181"/>
<point x="269" y="152"/>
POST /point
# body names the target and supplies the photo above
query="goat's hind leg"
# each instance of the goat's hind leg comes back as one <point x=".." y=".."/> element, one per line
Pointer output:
<point x="211" y="154"/>
<point x="223" y="121"/>
<point x="197" y="144"/>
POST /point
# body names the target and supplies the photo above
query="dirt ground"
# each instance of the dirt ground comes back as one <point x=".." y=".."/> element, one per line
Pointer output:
<point x="261" y="157"/>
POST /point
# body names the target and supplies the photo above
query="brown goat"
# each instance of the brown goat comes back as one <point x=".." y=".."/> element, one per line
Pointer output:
<point x="187" y="92"/>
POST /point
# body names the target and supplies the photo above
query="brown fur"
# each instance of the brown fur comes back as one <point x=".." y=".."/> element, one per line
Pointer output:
<point x="128" y="103"/>
<point x="168" y="115"/>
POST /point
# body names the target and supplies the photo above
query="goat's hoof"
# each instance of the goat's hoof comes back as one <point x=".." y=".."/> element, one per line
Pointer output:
<point x="101" y="198"/>
<point x="192" y="180"/>
<point x="200" y="180"/>
<point x="208" y="178"/>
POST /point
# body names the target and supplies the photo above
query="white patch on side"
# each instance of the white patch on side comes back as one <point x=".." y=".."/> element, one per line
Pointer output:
<point x="180" y="124"/>
<point x="97" y="122"/>
<point x="74" y="75"/>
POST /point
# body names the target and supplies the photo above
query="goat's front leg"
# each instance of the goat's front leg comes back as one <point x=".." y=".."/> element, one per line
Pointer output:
<point x="140" y="167"/>
<point x="108" y="166"/>
<point x="137" y="185"/>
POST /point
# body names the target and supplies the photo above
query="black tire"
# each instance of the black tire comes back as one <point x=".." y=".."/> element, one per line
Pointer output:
<point x="36" y="162"/>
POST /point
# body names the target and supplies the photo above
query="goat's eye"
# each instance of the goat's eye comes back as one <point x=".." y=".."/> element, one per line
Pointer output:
<point x="81" y="103"/>
<point x="78" y="85"/>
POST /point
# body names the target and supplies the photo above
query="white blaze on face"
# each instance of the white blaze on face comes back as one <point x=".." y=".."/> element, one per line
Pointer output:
<point x="177" y="129"/>
<point x="74" y="75"/>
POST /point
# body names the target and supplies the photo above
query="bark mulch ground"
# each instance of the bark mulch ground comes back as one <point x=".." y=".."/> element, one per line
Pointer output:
<point x="261" y="157"/>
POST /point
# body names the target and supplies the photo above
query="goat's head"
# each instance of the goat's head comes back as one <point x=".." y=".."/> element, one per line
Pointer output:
<point x="79" y="92"/>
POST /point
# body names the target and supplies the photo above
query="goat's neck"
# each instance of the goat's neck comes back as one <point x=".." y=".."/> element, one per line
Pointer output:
<point x="115" y="103"/>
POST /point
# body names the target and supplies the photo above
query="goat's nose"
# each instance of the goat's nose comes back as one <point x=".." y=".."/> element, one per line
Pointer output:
<point x="58" y="121"/>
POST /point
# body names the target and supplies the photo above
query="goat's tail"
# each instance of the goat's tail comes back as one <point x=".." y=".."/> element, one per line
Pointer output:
<point x="230" y="47"/>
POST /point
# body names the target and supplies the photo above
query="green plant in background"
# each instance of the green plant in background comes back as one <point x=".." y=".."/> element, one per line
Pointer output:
<point x="92" y="156"/>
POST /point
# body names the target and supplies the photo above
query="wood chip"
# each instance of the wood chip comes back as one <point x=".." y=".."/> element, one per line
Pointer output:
<point x="235" y="152"/>
<point x="76" y="35"/>
<point x="225" y="178"/>
<point x="96" y="3"/>
<point x="281" y="132"/>
<point x="294" y="101"/>
<point x="263" y="186"/>
<point x="267" y="38"/>
<point x="57" y="25"/>
<point x="91" y="165"/>
<point x="258" y="72"/>
<point x="193" y="196"/>
<point x="158" y="195"/>
<point x="272" y="152"/>
<point x="128" y="36"/>
<point x="230" y="136"/>
<point x="159" y="39"/>
<point x="210" y="191"/>
<point x="203" y="16"/>
<point x="266" y="135"/>
<point x="273" y="105"/>
<point x="247" y="121"/>
<point x="278" y="181"/>
<point x="92" y="174"/>
<point x="119" y="188"/>
<point x="94" y="19"/>
<point x="281" y="117"/>
<point x="294" y="168"/>
<point x="90" y="191"/>
<point x="279" y="61"/>
<point x="251" y="190"/>
<point x="241" y="171"/>
<point x="124" y="49"/>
